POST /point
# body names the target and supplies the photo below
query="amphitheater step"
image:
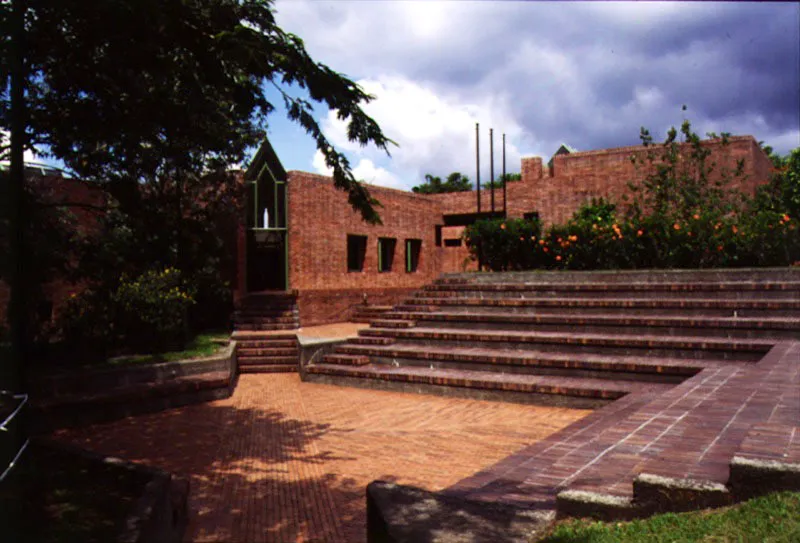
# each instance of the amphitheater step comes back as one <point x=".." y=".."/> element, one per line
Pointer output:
<point x="532" y="362"/>
<point x="393" y="323"/>
<point x="538" y="389"/>
<point x="265" y="327"/>
<point x="641" y="345"/>
<point x="365" y="340"/>
<point x="345" y="359"/>
<point x="591" y="290"/>
<point x="775" y="327"/>
<point x="269" y="368"/>
<point x="245" y="360"/>
<point x="370" y="312"/>
<point x="719" y="307"/>
<point x="269" y="351"/>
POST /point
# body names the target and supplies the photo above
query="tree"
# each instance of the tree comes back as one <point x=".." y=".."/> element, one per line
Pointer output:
<point x="140" y="92"/>
<point x="456" y="182"/>
<point x="502" y="179"/>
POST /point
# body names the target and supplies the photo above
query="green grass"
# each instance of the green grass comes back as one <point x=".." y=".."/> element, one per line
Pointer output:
<point x="774" y="518"/>
<point x="201" y="346"/>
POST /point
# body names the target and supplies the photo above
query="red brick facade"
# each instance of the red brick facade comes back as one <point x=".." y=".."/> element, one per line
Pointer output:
<point x="320" y="220"/>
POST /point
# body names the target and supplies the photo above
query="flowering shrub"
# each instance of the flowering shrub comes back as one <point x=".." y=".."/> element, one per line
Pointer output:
<point x="678" y="218"/>
<point x="144" y="314"/>
<point x="505" y="244"/>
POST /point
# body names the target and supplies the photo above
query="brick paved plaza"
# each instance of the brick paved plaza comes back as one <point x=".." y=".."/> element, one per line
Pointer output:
<point x="283" y="460"/>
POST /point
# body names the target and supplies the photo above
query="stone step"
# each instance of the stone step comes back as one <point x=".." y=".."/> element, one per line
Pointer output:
<point x="789" y="290"/>
<point x="643" y="345"/>
<point x="775" y="327"/>
<point x="541" y="388"/>
<point x="635" y="306"/>
<point x="345" y="359"/>
<point x="264" y="360"/>
<point x="268" y="351"/>
<point x="364" y="340"/>
<point x="240" y="335"/>
<point x="269" y="368"/>
<point x="248" y="327"/>
<point x="392" y="323"/>
<point x="628" y="276"/>
<point x="532" y="362"/>
<point x="266" y="344"/>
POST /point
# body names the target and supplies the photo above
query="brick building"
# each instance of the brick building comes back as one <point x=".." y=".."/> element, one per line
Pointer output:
<point x="301" y="236"/>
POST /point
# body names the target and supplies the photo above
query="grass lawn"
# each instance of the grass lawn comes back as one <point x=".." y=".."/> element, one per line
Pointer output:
<point x="773" y="518"/>
<point x="202" y="345"/>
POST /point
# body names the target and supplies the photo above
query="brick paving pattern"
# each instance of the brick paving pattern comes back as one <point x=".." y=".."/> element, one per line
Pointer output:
<point x="283" y="460"/>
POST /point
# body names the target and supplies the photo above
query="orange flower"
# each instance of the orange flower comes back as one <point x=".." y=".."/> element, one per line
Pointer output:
<point x="676" y="226"/>
<point x="522" y="238"/>
<point x="734" y="229"/>
<point x="719" y="247"/>
<point x="541" y="242"/>
<point x="533" y="238"/>
<point x="558" y="258"/>
<point x="546" y="250"/>
<point x="639" y="232"/>
<point x="786" y="218"/>
<point x="696" y="216"/>
<point x="503" y="226"/>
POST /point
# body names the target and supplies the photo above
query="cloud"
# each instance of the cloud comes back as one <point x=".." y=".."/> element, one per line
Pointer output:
<point x="435" y="133"/>
<point x="588" y="74"/>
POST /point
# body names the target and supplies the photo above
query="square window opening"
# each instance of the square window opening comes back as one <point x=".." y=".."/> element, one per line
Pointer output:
<point x="413" y="249"/>
<point x="356" y="251"/>
<point x="386" y="254"/>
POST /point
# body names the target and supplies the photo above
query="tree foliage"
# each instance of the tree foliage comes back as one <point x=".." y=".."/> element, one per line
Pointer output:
<point x="503" y="179"/>
<point x="129" y="91"/>
<point x="455" y="182"/>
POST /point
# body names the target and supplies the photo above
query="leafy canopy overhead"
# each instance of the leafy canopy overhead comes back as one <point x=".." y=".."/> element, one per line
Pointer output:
<point x="125" y="90"/>
<point x="455" y="182"/>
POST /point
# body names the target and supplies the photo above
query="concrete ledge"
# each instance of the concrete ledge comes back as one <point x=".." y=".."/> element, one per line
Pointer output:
<point x="404" y="514"/>
<point x="582" y="503"/>
<point x="104" y="405"/>
<point x="656" y="494"/>
<point x="159" y="514"/>
<point x="754" y="477"/>
<point x="313" y="349"/>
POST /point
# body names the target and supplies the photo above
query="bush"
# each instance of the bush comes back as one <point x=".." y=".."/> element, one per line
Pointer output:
<point x="510" y="244"/>
<point x="678" y="218"/>
<point x="147" y="314"/>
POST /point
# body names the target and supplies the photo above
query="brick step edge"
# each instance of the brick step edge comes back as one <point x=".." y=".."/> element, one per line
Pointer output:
<point x="638" y="341"/>
<point x="247" y="335"/>
<point x="540" y="359"/>
<point x="393" y="323"/>
<point x="260" y="360"/>
<point x="269" y="368"/>
<point x="345" y="359"/>
<point x="365" y="340"/>
<point x="267" y="351"/>
<point x="468" y="382"/>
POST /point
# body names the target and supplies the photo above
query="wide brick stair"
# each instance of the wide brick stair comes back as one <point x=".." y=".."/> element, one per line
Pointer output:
<point x="266" y="352"/>
<point x="369" y="312"/>
<point x="725" y="435"/>
<point x="261" y="311"/>
<point x="571" y="335"/>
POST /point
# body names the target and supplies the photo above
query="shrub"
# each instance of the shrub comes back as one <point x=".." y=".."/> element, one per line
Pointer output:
<point x="151" y="311"/>
<point x="147" y="314"/>
<point x="505" y="244"/>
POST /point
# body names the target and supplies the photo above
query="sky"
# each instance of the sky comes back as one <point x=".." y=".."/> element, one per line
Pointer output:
<point x="586" y="74"/>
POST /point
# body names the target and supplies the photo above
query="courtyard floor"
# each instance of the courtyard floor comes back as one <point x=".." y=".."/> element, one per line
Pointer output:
<point x="287" y="461"/>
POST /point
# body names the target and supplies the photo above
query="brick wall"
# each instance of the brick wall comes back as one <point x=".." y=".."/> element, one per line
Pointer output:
<point x="61" y="190"/>
<point x="577" y="178"/>
<point x="319" y="220"/>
